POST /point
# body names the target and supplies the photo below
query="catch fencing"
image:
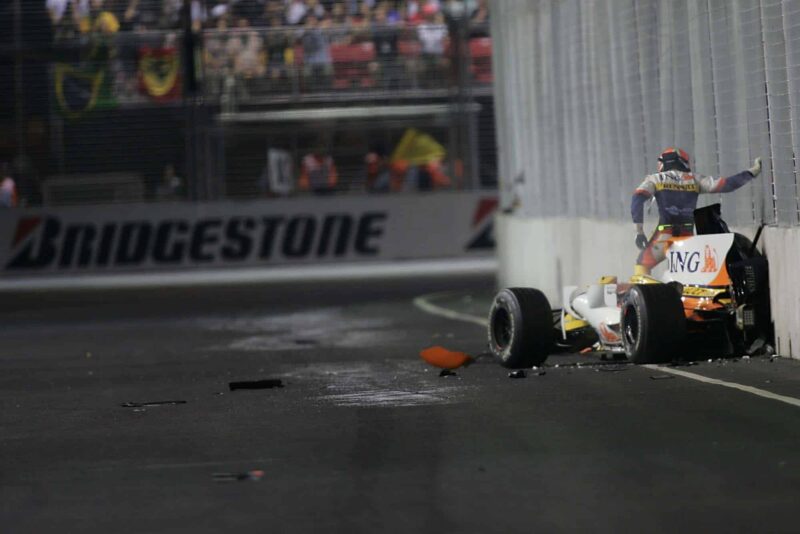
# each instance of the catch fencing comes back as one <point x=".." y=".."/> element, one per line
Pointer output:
<point x="589" y="93"/>
<point x="164" y="100"/>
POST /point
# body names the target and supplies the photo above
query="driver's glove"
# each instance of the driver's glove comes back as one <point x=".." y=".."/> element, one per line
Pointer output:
<point x="755" y="170"/>
<point x="641" y="241"/>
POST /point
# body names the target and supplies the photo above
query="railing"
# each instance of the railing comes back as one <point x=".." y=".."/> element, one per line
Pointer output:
<point x="266" y="66"/>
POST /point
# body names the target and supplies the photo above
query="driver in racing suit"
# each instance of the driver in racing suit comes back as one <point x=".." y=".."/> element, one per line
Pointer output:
<point x="675" y="189"/>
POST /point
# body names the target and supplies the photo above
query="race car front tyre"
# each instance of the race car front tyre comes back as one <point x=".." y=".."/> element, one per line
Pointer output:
<point x="521" y="327"/>
<point x="652" y="323"/>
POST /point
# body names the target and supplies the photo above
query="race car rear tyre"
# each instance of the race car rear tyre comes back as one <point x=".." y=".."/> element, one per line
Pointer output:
<point x="521" y="327"/>
<point x="652" y="323"/>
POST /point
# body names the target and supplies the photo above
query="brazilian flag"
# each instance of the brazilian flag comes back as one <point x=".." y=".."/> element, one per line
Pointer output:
<point x="86" y="86"/>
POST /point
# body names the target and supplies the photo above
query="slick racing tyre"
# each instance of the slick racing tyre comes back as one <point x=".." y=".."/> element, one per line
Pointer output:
<point x="521" y="327"/>
<point x="652" y="323"/>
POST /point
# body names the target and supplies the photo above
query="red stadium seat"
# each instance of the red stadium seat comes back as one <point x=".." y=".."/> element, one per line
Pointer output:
<point x="351" y="65"/>
<point x="480" y="49"/>
<point x="409" y="48"/>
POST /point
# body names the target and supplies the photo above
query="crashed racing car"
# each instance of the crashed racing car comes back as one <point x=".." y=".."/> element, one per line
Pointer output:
<point x="712" y="299"/>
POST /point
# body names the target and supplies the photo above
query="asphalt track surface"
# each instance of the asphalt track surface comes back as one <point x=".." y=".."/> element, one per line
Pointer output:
<point x="364" y="437"/>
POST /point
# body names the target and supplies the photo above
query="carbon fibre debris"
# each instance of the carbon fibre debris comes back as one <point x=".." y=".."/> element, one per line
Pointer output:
<point x="268" y="383"/>
<point x="254" y="475"/>
<point x="152" y="403"/>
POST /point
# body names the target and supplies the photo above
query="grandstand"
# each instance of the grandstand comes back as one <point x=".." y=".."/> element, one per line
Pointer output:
<point x="209" y="88"/>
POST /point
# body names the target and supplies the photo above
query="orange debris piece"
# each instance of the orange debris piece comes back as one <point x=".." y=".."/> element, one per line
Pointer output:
<point x="445" y="359"/>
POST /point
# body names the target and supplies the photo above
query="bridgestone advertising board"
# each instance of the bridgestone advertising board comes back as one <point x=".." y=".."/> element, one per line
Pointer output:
<point x="172" y="236"/>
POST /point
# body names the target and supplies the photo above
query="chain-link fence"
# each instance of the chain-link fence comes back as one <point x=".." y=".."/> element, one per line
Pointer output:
<point x="146" y="100"/>
<point x="611" y="83"/>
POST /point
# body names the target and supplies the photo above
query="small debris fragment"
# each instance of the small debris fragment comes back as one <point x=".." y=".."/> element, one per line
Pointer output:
<point x="153" y="403"/>
<point x="256" y="384"/>
<point x="682" y="364"/>
<point x="519" y="373"/>
<point x="612" y="368"/>
<point x="540" y="372"/>
<point x="253" y="476"/>
<point x="662" y="377"/>
<point x="758" y="346"/>
<point x="447" y="372"/>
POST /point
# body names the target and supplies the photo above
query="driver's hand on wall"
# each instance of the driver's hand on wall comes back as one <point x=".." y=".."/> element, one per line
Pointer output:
<point x="641" y="241"/>
<point x="755" y="170"/>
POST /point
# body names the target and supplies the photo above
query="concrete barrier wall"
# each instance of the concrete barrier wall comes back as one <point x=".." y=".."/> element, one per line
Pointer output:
<point x="782" y="246"/>
<point x="548" y="253"/>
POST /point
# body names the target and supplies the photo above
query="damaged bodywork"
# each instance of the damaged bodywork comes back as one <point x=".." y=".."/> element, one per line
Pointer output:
<point x="713" y="297"/>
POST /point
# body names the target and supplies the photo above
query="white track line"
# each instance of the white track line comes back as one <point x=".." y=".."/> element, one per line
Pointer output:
<point x="423" y="303"/>
<point x="249" y="275"/>
<point x="733" y="385"/>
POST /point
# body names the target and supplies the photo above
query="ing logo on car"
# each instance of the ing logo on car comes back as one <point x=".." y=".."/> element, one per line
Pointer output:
<point x="691" y="262"/>
<point x="710" y="260"/>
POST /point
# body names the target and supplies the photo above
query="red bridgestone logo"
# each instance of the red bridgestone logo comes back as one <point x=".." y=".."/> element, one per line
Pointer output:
<point x="25" y="227"/>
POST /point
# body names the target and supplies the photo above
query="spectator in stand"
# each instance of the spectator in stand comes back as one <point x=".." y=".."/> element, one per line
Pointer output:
<point x="250" y="64"/>
<point x="248" y="9"/>
<point x="411" y="12"/>
<point x="318" y="173"/>
<point x="8" y="190"/>
<point x="219" y="10"/>
<point x="60" y="22"/>
<point x="276" y="46"/>
<point x="340" y="24"/>
<point x="318" y="66"/>
<point x="432" y="35"/>
<point x="105" y="22"/>
<point x="354" y="6"/>
<point x="393" y="15"/>
<point x="216" y="56"/>
<point x="385" y="37"/>
<point x="141" y="15"/>
<point x="171" y="15"/>
<point x="296" y="12"/>
<point x="56" y="9"/>
<point x="378" y="171"/>
<point x="81" y="15"/>
<point x="171" y="186"/>
<point x="360" y="25"/>
<point x="479" y="20"/>
<point x="315" y="8"/>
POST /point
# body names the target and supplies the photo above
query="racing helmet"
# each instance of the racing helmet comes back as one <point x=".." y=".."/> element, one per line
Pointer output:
<point x="673" y="158"/>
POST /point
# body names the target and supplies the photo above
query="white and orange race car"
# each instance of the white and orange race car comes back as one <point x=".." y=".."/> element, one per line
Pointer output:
<point x="713" y="299"/>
